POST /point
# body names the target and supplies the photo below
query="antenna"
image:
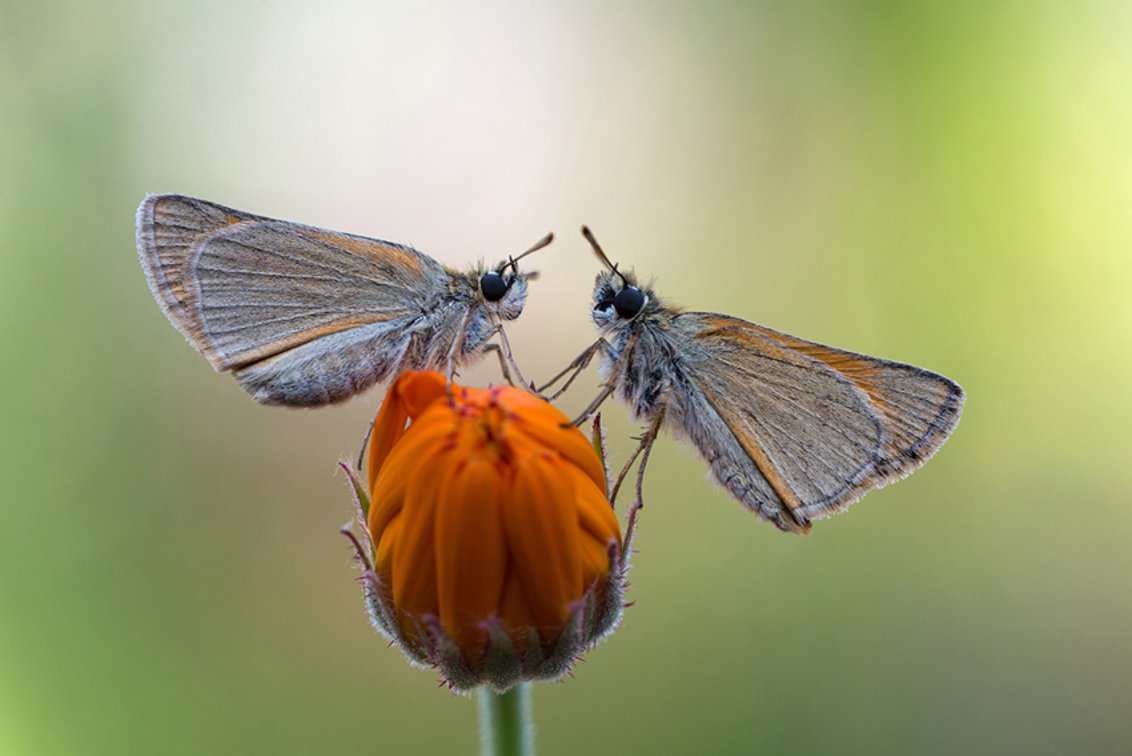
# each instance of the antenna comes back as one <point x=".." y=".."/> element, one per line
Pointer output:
<point x="601" y="253"/>
<point x="544" y="241"/>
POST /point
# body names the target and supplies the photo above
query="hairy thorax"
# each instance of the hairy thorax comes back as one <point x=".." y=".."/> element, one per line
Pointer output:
<point x="642" y="362"/>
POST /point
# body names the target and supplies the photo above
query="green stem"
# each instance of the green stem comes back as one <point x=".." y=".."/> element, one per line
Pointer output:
<point x="506" y="728"/>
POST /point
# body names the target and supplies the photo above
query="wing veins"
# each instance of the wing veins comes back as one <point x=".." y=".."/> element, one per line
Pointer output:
<point x="277" y="252"/>
<point x="281" y="319"/>
<point x="266" y="274"/>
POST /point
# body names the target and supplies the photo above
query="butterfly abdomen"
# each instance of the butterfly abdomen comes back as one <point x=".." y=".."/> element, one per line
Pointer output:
<point x="315" y="376"/>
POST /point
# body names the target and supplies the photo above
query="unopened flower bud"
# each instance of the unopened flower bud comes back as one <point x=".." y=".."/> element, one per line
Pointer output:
<point x="493" y="554"/>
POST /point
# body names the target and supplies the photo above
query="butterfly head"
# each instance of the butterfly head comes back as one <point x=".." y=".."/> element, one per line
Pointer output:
<point x="504" y="291"/>
<point x="503" y="288"/>
<point x="618" y="298"/>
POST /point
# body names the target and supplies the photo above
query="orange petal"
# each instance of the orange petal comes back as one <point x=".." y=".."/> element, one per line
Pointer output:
<point x="570" y="442"/>
<point x="407" y="398"/>
<point x="595" y="515"/>
<point x="384" y="550"/>
<point x="515" y="610"/>
<point x="523" y="403"/>
<point x="474" y="397"/>
<point x="471" y="561"/>
<point x="414" y="558"/>
<point x="598" y="529"/>
<point x="388" y="427"/>
<point x="422" y="442"/>
<point x="594" y="560"/>
<point x="541" y="523"/>
<point x="419" y="390"/>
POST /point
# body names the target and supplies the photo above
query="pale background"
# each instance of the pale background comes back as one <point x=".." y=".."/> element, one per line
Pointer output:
<point x="945" y="183"/>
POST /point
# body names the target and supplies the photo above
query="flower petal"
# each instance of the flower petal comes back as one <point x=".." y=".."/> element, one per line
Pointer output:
<point x="595" y="515"/>
<point x="599" y="528"/>
<point x="471" y="561"/>
<point x="407" y="398"/>
<point x="515" y="609"/>
<point x="384" y="550"/>
<point x="420" y="443"/>
<point x="547" y="430"/>
<point x="594" y="560"/>
<point x="541" y="523"/>
<point x="414" y="558"/>
<point x="417" y="391"/>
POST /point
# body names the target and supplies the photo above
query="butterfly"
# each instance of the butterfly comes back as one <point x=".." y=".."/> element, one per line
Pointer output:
<point x="303" y="316"/>
<point x="793" y="429"/>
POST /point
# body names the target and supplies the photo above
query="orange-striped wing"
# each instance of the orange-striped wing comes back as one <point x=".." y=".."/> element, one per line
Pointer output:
<point x="798" y="430"/>
<point x="301" y="315"/>
<point x="168" y="226"/>
<point x="265" y="287"/>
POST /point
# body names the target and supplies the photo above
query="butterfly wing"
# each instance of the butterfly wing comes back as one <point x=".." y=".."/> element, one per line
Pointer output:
<point x="167" y="227"/>
<point x="300" y="315"/>
<point x="798" y="430"/>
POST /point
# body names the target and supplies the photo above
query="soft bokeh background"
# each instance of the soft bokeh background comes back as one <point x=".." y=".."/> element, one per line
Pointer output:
<point x="948" y="184"/>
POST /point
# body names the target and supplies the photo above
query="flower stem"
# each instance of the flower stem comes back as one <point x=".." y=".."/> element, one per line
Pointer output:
<point x="506" y="728"/>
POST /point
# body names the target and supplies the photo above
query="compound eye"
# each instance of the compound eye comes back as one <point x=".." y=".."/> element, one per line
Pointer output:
<point x="492" y="286"/>
<point x="629" y="302"/>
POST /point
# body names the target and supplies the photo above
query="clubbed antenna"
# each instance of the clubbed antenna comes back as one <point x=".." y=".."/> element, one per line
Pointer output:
<point x="544" y="241"/>
<point x="601" y="253"/>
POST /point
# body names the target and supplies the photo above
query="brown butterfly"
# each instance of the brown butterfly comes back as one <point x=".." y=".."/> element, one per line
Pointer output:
<point x="794" y="430"/>
<point x="303" y="316"/>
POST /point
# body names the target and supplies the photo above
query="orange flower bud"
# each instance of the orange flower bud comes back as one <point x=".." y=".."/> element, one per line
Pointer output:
<point x="496" y="556"/>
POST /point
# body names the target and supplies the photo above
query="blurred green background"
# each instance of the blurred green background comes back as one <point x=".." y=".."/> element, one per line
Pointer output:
<point x="943" y="183"/>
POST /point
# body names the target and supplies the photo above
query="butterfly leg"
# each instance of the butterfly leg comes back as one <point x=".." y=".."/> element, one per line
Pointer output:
<point x="654" y="431"/>
<point x="450" y="370"/>
<point x="614" y="374"/>
<point x="575" y="368"/>
<point x="505" y="346"/>
<point x="597" y="402"/>
<point x="498" y="351"/>
<point x="503" y="351"/>
<point x="643" y="449"/>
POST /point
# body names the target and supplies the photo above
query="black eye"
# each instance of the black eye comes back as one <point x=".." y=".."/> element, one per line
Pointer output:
<point x="603" y="305"/>
<point x="629" y="302"/>
<point x="493" y="287"/>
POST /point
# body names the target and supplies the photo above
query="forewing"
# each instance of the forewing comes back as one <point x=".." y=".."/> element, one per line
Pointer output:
<point x="804" y="429"/>
<point x="261" y="288"/>
<point x="301" y="315"/>
<point x="167" y="227"/>
<point x="920" y="408"/>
